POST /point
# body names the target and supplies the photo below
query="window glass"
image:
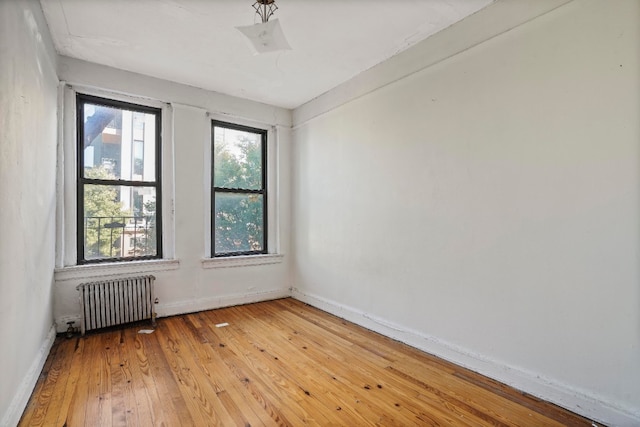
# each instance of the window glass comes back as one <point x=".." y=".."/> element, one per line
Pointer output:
<point x="120" y="141"/>
<point x="238" y="222"/>
<point x="119" y="185"/>
<point x="239" y="190"/>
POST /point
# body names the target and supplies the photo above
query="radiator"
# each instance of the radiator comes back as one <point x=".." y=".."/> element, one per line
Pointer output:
<point x="116" y="301"/>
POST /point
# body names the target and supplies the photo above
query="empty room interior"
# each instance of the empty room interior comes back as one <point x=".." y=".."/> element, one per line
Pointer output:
<point x="339" y="212"/>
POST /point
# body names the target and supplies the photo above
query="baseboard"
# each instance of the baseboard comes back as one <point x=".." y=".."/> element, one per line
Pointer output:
<point x="579" y="401"/>
<point x="194" y="305"/>
<point x="201" y="304"/>
<point x="23" y="393"/>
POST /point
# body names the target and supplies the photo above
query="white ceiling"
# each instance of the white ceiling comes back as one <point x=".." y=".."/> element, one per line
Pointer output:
<point x="195" y="42"/>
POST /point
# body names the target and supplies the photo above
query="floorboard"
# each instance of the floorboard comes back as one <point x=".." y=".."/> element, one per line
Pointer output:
<point x="277" y="363"/>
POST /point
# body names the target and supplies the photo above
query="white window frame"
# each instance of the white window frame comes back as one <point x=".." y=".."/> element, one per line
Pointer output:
<point x="273" y="194"/>
<point x="66" y="224"/>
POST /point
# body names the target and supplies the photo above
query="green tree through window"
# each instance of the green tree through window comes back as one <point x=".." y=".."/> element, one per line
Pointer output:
<point x="239" y="190"/>
<point x="102" y="209"/>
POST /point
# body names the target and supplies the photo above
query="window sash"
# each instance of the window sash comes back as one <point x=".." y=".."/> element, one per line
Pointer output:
<point x="262" y="191"/>
<point x="83" y="181"/>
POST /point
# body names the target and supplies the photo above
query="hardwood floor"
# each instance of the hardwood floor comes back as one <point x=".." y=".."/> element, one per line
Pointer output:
<point x="276" y="363"/>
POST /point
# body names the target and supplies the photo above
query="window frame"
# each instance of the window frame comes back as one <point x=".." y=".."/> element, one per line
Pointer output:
<point x="80" y="100"/>
<point x="263" y="191"/>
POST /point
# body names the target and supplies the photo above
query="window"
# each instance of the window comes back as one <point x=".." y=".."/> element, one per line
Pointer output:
<point x="119" y="193"/>
<point x="239" y="195"/>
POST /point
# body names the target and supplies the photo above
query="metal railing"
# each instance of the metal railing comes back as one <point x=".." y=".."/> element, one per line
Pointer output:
<point x="119" y="236"/>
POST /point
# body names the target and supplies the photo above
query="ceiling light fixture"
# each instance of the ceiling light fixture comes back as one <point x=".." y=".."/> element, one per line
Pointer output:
<point x="265" y="8"/>
<point x="266" y="36"/>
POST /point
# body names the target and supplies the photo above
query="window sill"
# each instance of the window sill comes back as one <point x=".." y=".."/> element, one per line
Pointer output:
<point x="88" y="271"/>
<point x="242" y="261"/>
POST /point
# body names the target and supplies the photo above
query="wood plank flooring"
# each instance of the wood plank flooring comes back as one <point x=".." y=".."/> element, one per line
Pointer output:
<point x="277" y="363"/>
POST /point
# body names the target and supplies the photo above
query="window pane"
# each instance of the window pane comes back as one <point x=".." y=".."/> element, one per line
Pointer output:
<point x="237" y="159"/>
<point x="119" y="221"/>
<point x="118" y="143"/>
<point x="238" y="223"/>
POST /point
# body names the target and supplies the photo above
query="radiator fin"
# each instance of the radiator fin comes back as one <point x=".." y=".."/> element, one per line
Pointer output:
<point x="116" y="301"/>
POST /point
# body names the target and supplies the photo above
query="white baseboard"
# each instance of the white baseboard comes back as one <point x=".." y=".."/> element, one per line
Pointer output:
<point x="201" y="304"/>
<point x="194" y="305"/>
<point x="23" y="393"/>
<point x="582" y="402"/>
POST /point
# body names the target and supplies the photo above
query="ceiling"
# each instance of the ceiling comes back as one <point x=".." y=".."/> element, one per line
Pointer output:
<point x="195" y="42"/>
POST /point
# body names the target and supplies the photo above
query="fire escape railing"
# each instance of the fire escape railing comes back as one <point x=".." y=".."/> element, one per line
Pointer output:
<point x="119" y="236"/>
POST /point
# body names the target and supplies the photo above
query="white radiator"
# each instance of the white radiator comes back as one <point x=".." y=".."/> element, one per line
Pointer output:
<point x="116" y="301"/>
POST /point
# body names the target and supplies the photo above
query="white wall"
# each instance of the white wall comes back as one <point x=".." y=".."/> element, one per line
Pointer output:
<point x="187" y="281"/>
<point x="28" y="101"/>
<point x="486" y="208"/>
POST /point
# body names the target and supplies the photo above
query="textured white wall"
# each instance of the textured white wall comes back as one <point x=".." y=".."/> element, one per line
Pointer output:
<point x="486" y="208"/>
<point x="187" y="285"/>
<point x="28" y="101"/>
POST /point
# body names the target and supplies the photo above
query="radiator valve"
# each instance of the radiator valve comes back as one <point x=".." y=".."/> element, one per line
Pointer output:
<point x="70" y="330"/>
